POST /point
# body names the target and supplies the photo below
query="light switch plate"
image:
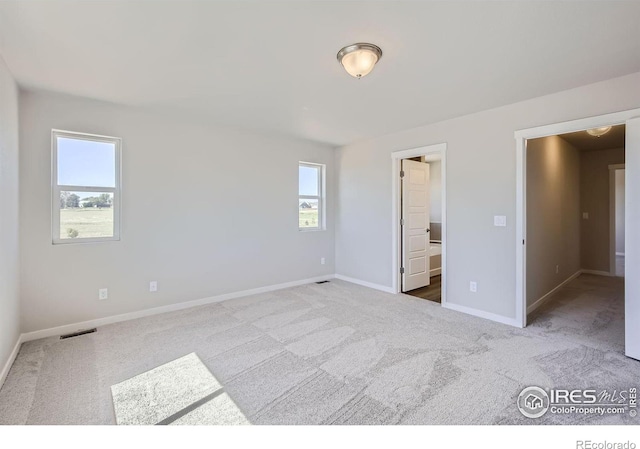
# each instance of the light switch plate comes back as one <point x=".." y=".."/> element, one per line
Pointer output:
<point x="500" y="220"/>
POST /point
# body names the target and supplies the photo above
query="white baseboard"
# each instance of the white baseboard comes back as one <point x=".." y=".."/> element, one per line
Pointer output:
<point x="619" y="254"/>
<point x="383" y="288"/>
<point x="446" y="305"/>
<point x="482" y="314"/>
<point x="68" y="328"/>
<point x="596" y="272"/>
<point x="12" y="357"/>
<point x="435" y="272"/>
<point x="547" y="296"/>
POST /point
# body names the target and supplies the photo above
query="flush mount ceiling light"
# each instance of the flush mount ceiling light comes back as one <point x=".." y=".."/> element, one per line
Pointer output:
<point x="359" y="59"/>
<point x="597" y="132"/>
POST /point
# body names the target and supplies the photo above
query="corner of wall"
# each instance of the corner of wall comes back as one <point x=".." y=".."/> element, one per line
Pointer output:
<point x="10" y="307"/>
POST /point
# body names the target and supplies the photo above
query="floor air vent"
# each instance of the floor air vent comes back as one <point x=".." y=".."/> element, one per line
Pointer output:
<point x="322" y="282"/>
<point x="77" y="334"/>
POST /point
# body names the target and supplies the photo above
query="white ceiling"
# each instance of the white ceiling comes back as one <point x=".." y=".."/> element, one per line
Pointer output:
<point x="272" y="65"/>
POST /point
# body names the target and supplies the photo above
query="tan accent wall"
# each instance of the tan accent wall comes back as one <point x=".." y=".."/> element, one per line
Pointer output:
<point x="594" y="186"/>
<point x="553" y="214"/>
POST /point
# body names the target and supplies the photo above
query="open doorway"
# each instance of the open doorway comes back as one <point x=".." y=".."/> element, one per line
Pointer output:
<point x="421" y="227"/>
<point x="419" y="222"/>
<point x="631" y="119"/>
<point x="571" y="216"/>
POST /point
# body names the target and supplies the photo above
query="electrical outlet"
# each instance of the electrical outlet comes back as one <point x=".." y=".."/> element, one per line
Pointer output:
<point x="322" y="261"/>
<point x="103" y="294"/>
<point x="557" y="269"/>
<point x="473" y="286"/>
<point x="585" y="215"/>
<point x="153" y="286"/>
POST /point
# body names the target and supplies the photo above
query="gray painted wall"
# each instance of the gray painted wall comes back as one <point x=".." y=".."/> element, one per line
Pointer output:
<point x="9" y="256"/>
<point x="205" y="211"/>
<point x="481" y="183"/>
<point x="553" y="214"/>
<point x="595" y="199"/>
<point x="619" y="183"/>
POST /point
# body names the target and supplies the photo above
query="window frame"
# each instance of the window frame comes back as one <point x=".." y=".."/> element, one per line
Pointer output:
<point x="56" y="188"/>
<point x="320" y="197"/>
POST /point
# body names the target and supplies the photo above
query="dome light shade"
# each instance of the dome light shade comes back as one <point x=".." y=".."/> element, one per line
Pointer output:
<point x="359" y="59"/>
<point x="597" y="132"/>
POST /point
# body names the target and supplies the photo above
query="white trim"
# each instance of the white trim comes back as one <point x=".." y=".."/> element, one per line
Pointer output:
<point x="521" y="137"/>
<point x="60" y="330"/>
<point x="597" y="272"/>
<point x="582" y="124"/>
<point x="521" y="232"/>
<point x="547" y="296"/>
<point x="382" y="288"/>
<point x="631" y="240"/>
<point x="9" y="363"/>
<point x="420" y="151"/>
<point x="435" y="272"/>
<point x="396" y="158"/>
<point x="612" y="216"/>
<point x="482" y="314"/>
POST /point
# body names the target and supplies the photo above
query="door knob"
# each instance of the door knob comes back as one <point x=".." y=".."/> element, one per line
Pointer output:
<point x="428" y="230"/>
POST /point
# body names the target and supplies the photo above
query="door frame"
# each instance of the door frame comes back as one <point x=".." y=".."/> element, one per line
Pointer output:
<point x="521" y="137"/>
<point x="613" y="168"/>
<point x="396" y="244"/>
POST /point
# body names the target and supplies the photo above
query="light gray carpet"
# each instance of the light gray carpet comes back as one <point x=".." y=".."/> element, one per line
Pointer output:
<point x="182" y="391"/>
<point x="338" y="353"/>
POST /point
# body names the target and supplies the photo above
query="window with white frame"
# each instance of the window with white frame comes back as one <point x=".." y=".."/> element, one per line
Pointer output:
<point x="86" y="187"/>
<point x="310" y="196"/>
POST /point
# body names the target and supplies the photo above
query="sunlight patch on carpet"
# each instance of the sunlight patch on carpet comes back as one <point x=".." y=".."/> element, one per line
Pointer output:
<point x="180" y="392"/>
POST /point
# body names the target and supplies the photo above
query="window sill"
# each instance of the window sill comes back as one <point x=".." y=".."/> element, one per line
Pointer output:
<point x="84" y="241"/>
<point x="311" y="229"/>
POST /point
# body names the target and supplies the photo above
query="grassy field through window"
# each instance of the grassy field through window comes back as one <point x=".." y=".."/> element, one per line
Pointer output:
<point x="308" y="218"/>
<point x="86" y="222"/>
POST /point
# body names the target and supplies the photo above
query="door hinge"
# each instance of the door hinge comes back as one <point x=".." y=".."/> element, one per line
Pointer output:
<point x="402" y="270"/>
<point x="402" y="222"/>
<point x="402" y="173"/>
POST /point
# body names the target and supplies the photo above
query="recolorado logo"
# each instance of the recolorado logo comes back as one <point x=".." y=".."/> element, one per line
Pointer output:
<point x="534" y="402"/>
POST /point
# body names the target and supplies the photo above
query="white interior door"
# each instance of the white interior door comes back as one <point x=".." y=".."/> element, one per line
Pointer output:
<point x="632" y="239"/>
<point x="415" y="225"/>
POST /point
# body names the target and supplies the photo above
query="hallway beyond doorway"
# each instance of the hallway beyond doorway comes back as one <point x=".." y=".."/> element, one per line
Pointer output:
<point x="590" y="310"/>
